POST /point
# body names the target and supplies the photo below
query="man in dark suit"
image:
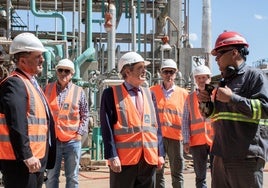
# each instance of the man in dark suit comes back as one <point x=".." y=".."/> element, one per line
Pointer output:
<point x="27" y="134"/>
<point x="130" y="127"/>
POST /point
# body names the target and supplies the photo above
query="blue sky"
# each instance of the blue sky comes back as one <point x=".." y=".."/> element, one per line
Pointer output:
<point x="248" y="17"/>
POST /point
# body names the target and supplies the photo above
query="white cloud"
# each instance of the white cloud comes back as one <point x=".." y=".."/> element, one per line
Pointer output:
<point x="259" y="17"/>
<point x="193" y="37"/>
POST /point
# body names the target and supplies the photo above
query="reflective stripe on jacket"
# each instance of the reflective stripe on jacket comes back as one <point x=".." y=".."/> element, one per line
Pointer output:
<point x="37" y="124"/>
<point x="170" y="111"/>
<point x="67" y="117"/>
<point x="134" y="136"/>
<point x="238" y="124"/>
<point x="201" y="130"/>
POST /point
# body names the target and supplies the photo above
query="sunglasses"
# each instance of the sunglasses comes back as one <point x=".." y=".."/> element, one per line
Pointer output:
<point x="168" y="72"/>
<point x="66" y="71"/>
<point x="221" y="52"/>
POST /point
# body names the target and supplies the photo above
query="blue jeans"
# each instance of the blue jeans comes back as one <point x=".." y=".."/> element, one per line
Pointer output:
<point x="70" y="152"/>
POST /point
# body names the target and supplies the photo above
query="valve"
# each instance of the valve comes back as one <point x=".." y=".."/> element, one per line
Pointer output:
<point x="165" y="39"/>
<point x="165" y="46"/>
<point x="108" y="21"/>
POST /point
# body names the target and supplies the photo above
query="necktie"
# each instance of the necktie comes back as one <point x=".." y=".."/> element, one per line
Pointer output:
<point x="37" y="87"/>
<point x="138" y="101"/>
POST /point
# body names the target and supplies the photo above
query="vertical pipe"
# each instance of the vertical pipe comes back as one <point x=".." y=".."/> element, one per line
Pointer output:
<point x="133" y="28"/>
<point x="145" y="29"/>
<point x="56" y="22"/>
<point x="74" y="44"/>
<point x="206" y="31"/>
<point x="153" y="45"/>
<point x="8" y="10"/>
<point x="175" y="13"/>
<point x="79" y="27"/>
<point x="139" y="25"/>
<point x="89" y="24"/>
<point x="111" y="39"/>
<point x="102" y="58"/>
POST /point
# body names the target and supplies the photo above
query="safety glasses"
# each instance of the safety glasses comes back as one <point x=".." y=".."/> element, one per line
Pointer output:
<point x="166" y="72"/>
<point x="66" y="71"/>
<point x="221" y="52"/>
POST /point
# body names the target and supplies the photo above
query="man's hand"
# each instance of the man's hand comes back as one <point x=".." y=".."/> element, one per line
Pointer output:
<point x="186" y="148"/>
<point x="78" y="137"/>
<point x="115" y="165"/>
<point x="161" y="162"/>
<point x="224" y="94"/>
<point x="33" y="164"/>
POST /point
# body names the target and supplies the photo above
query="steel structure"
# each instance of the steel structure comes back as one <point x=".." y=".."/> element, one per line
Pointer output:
<point x="95" y="54"/>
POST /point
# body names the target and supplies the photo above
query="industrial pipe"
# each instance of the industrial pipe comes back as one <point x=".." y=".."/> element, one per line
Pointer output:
<point x="50" y="15"/>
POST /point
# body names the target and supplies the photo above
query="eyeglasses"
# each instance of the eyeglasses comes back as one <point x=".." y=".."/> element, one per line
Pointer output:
<point x="168" y="72"/>
<point x="66" y="71"/>
<point x="221" y="52"/>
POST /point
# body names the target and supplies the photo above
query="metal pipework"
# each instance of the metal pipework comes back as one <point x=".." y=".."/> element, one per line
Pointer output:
<point x="50" y="15"/>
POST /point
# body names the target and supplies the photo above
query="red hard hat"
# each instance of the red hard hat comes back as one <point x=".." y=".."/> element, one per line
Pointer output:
<point x="228" y="38"/>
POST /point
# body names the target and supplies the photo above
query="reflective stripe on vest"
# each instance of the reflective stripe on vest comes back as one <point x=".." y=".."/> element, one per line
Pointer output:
<point x="37" y="124"/>
<point x="133" y="135"/>
<point x="170" y="111"/>
<point x="67" y="117"/>
<point x="201" y="130"/>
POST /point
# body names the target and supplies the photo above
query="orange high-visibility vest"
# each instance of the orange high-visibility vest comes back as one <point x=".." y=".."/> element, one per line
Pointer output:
<point x="133" y="135"/>
<point x="66" y="117"/>
<point x="37" y="124"/>
<point x="201" y="130"/>
<point x="170" y="111"/>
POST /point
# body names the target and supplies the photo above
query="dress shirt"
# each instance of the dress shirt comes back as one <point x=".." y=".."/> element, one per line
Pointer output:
<point x="167" y="92"/>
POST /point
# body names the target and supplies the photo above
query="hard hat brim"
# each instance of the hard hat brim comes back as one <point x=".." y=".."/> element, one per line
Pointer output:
<point x="147" y="63"/>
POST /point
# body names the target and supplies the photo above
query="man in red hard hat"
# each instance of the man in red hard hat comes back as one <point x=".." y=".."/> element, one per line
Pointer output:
<point x="240" y="144"/>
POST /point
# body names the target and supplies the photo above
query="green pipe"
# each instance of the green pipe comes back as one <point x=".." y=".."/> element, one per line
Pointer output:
<point x="50" y="15"/>
<point x="89" y="53"/>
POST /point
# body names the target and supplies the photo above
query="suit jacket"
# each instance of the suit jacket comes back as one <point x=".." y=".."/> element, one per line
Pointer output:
<point x="13" y="103"/>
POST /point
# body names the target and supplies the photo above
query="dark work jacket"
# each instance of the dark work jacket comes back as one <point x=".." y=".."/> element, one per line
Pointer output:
<point x="240" y="131"/>
<point x="13" y="103"/>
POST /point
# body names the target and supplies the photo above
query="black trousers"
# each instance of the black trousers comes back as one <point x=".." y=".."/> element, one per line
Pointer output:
<point x="141" y="175"/>
<point x="244" y="173"/>
<point x="16" y="175"/>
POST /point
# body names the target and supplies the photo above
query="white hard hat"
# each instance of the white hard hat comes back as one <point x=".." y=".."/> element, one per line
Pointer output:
<point x="202" y="70"/>
<point x="130" y="58"/>
<point x="168" y="63"/>
<point x="26" y="42"/>
<point x="66" y="64"/>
